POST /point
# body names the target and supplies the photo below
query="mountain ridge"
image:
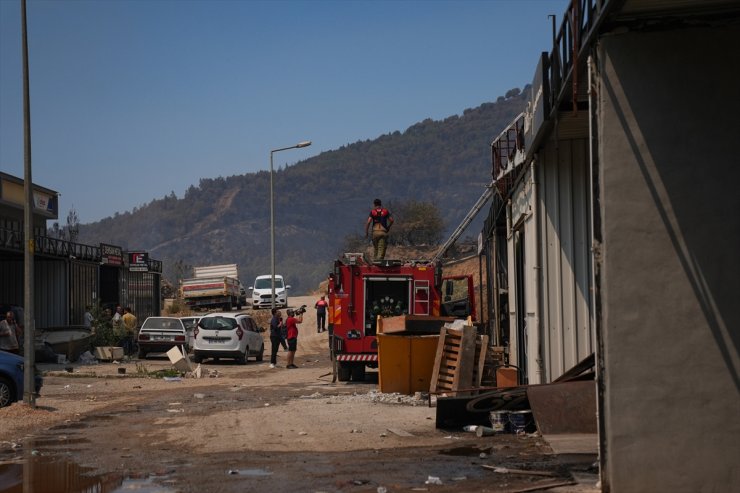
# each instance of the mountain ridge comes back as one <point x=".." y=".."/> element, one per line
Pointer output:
<point x="319" y="201"/>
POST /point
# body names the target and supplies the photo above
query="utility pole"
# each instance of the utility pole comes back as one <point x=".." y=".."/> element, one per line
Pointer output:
<point x="29" y="384"/>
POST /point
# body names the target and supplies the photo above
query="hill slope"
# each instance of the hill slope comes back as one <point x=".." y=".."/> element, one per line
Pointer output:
<point x="318" y="201"/>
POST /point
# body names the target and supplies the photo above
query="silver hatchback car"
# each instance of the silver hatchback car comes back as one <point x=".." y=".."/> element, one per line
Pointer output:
<point x="227" y="335"/>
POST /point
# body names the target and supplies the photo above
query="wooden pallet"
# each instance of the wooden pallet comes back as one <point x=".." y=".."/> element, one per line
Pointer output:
<point x="454" y="363"/>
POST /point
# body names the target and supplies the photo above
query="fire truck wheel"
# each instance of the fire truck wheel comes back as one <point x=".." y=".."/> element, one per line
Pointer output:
<point x="344" y="372"/>
<point x="358" y="372"/>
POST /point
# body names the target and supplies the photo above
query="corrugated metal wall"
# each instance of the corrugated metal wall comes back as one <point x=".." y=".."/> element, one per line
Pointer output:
<point x="51" y="290"/>
<point x="565" y="238"/>
<point x="83" y="290"/>
<point x="11" y="287"/>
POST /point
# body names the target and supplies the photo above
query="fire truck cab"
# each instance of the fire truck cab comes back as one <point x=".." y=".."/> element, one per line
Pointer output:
<point x="360" y="291"/>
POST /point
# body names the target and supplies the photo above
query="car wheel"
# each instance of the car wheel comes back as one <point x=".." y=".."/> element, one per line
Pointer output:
<point x="344" y="373"/>
<point x="242" y="359"/>
<point x="142" y="354"/>
<point x="261" y="354"/>
<point x="7" y="396"/>
<point x="197" y="358"/>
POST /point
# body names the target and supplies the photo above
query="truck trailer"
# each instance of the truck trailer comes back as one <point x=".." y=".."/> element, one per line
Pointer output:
<point x="361" y="291"/>
<point x="213" y="286"/>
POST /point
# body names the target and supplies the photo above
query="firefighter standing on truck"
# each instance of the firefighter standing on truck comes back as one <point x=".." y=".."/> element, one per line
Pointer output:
<point x="381" y="220"/>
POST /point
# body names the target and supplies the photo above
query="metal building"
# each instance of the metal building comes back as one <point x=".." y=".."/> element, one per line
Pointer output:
<point x="68" y="276"/>
<point x="615" y="231"/>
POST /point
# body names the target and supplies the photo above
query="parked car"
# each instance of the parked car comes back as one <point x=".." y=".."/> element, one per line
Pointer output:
<point x="11" y="379"/>
<point x="190" y="324"/>
<point x="262" y="292"/>
<point x="228" y="335"/>
<point x="160" y="334"/>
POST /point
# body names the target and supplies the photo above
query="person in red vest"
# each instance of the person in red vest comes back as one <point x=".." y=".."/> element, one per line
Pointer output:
<point x="321" y="307"/>
<point x="381" y="220"/>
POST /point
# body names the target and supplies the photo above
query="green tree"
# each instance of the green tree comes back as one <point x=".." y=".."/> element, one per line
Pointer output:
<point x="416" y="223"/>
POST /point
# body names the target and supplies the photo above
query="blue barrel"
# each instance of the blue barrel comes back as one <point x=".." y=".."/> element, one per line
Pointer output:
<point x="522" y="422"/>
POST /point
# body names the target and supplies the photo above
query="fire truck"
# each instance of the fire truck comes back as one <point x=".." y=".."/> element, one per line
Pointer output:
<point x="361" y="291"/>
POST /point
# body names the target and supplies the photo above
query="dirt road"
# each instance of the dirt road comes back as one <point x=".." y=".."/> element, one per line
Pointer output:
<point x="250" y="428"/>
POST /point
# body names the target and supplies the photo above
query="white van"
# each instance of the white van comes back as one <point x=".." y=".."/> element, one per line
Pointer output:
<point x="262" y="292"/>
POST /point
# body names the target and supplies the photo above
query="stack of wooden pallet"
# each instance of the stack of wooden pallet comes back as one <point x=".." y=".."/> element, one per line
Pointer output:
<point x="460" y="362"/>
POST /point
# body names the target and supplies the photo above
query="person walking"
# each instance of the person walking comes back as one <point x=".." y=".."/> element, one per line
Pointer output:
<point x="381" y="220"/>
<point x="321" y="307"/>
<point x="9" y="333"/>
<point x="276" y="336"/>
<point x="292" y="325"/>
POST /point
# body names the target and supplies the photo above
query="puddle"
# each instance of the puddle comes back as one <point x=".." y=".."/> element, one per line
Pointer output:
<point x="43" y="474"/>
<point x="59" y="441"/>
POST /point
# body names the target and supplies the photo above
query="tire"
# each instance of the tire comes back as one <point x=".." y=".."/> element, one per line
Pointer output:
<point x="197" y="358"/>
<point x="142" y="354"/>
<point x="344" y="372"/>
<point x="242" y="359"/>
<point x="261" y="354"/>
<point x="358" y="372"/>
<point x="7" y="392"/>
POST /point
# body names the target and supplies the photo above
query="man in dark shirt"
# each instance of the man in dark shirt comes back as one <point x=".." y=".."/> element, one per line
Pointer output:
<point x="321" y="307"/>
<point x="276" y="336"/>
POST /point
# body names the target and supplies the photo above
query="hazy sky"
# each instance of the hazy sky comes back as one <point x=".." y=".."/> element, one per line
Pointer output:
<point x="132" y="99"/>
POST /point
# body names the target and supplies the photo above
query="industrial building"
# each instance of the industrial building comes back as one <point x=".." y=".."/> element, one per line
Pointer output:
<point x="615" y="231"/>
<point x="68" y="276"/>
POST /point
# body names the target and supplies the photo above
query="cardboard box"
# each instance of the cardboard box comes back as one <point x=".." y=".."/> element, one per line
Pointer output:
<point x="108" y="353"/>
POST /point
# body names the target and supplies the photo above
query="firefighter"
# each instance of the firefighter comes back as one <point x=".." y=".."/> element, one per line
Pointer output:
<point x="381" y="220"/>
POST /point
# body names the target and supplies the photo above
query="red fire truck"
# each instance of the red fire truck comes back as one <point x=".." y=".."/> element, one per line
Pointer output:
<point x="360" y="291"/>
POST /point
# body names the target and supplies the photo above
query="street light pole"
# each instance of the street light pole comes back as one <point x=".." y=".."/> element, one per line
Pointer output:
<point x="272" y="213"/>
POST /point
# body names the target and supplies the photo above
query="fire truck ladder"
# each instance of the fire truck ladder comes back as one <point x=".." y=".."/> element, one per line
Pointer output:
<point x="487" y="194"/>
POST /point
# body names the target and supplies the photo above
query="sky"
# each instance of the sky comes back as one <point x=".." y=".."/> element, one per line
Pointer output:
<point x="133" y="99"/>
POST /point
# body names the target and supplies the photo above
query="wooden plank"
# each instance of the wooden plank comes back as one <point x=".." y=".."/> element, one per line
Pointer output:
<point x="438" y="360"/>
<point x="464" y="373"/>
<point x="482" y="348"/>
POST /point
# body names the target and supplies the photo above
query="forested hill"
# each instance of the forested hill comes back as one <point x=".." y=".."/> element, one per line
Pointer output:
<point x="318" y="201"/>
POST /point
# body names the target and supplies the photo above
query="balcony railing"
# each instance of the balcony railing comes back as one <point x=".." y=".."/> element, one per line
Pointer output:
<point x="11" y="239"/>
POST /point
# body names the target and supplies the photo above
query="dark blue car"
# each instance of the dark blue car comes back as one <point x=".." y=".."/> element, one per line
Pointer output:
<point x="11" y="379"/>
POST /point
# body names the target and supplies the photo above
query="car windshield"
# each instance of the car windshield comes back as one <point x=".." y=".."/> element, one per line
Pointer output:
<point x="267" y="283"/>
<point x="161" y="323"/>
<point x="217" y="323"/>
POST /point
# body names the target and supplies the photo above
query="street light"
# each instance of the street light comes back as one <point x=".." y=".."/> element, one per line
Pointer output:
<point x="305" y="143"/>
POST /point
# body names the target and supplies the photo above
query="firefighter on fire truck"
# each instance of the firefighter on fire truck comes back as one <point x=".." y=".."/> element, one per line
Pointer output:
<point x="381" y="220"/>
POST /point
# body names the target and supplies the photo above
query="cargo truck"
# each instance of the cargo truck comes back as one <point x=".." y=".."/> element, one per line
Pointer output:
<point x="213" y="286"/>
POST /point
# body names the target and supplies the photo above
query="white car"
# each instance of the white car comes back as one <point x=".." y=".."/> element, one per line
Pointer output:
<point x="262" y="292"/>
<point x="227" y="335"/>
<point x="190" y="323"/>
<point x="160" y="334"/>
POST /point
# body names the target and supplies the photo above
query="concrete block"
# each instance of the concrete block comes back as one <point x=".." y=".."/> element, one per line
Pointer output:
<point x="108" y="353"/>
<point x="178" y="360"/>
